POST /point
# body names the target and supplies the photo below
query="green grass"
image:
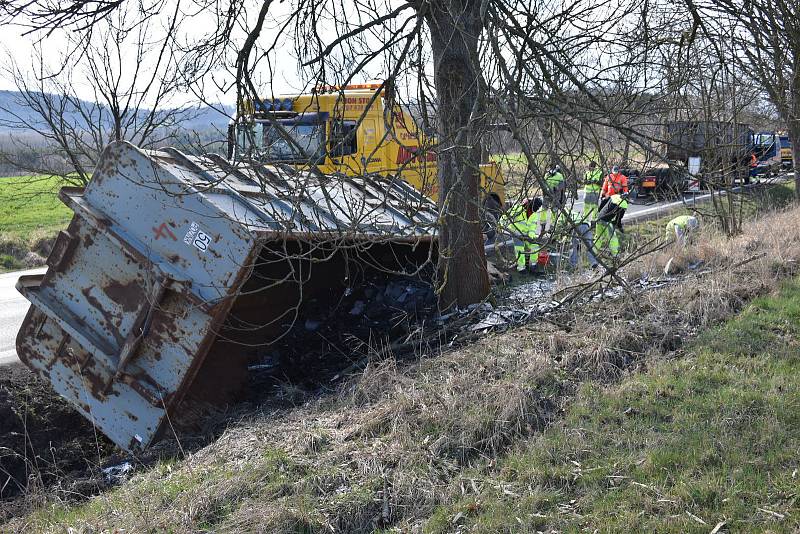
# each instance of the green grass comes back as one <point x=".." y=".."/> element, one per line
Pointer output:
<point x="29" y="207"/>
<point x="712" y="437"/>
<point x="512" y="158"/>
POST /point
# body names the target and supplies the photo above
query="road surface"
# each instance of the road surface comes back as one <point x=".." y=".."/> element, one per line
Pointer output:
<point x="13" y="307"/>
<point x="642" y="208"/>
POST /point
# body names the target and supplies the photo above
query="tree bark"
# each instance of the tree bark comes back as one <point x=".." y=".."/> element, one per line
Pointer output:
<point x="455" y="27"/>
<point x="793" y="125"/>
<point x="794" y="138"/>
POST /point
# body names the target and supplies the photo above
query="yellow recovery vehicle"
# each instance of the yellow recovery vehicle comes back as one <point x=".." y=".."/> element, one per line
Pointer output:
<point x="351" y="130"/>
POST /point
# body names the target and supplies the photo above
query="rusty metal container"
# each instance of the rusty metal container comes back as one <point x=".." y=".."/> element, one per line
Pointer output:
<point x="173" y="266"/>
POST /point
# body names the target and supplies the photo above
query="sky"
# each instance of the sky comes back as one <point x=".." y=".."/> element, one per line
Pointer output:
<point x="281" y="77"/>
<point x="19" y="48"/>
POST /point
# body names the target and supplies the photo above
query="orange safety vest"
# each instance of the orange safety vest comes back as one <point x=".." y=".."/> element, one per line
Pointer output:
<point x="615" y="184"/>
<point x="753" y="161"/>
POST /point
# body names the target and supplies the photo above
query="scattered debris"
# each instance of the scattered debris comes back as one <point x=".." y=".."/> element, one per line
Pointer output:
<point x="381" y="311"/>
<point x="118" y="473"/>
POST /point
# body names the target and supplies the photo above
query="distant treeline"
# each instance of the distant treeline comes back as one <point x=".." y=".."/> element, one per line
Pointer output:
<point x="24" y="152"/>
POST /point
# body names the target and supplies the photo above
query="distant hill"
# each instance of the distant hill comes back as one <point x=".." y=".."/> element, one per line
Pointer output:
<point x="13" y="112"/>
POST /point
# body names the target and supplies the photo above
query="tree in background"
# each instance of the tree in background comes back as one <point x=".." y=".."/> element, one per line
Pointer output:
<point x="766" y="39"/>
<point x="110" y="81"/>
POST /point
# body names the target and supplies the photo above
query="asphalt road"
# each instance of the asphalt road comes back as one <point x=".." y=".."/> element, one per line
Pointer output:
<point x="13" y="307"/>
<point x="642" y="208"/>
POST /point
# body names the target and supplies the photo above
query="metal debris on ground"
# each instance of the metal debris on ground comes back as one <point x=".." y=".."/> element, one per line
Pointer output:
<point x="118" y="473"/>
<point x="382" y="311"/>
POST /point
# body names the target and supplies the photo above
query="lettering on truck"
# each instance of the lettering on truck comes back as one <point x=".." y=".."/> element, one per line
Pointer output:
<point x="409" y="154"/>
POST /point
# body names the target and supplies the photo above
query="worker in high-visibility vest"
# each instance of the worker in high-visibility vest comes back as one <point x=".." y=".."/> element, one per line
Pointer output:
<point x="534" y="234"/>
<point x="592" y="183"/>
<point x="680" y="229"/>
<point x="609" y="223"/>
<point x="753" y="165"/>
<point x="582" y="238"/>
<point x="521" y="222"/>
<point x="554" y="198"/>
<point x="584" y="222"/>
<point x="615" y="183"/>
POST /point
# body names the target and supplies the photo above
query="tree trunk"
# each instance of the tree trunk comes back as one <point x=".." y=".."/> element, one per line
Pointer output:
<point x="455" y="27"/>
<point x="794" y="138"/>
<point x="793" y="124"/>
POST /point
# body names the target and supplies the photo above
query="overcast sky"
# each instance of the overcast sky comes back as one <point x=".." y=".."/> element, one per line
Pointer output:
<point x="281" y="77"/>
<point x="20" y="49"/>
<point x="13" y="45"/>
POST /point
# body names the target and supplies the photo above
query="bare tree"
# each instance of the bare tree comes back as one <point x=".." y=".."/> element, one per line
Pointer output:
<point x="766" y="47"/>
<point x="112" y="82"/>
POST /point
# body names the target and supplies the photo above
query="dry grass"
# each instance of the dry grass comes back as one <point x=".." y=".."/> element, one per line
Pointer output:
<point x="383" y="452"/>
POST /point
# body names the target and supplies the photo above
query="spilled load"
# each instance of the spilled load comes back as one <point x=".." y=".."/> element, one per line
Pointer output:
<point x="174" y="267"/>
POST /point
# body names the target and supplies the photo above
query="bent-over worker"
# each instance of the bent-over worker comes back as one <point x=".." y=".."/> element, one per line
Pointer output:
<point x="521" y="223"/>
<point x="609" y="223"/>
<point x="681" y="228"/>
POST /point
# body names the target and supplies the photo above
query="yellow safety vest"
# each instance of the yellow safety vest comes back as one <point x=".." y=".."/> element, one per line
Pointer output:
<point x="681" y="222"/>
<point x="553" y="180"/>
<point x="593" y="181"/>
<point x="515" y="220"/>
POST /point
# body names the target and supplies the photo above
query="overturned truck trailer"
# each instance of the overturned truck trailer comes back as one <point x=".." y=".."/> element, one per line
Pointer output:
<point x="172" y="266"/>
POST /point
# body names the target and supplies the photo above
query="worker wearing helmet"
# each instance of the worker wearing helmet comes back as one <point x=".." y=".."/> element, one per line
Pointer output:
<point x="521" y="222"/>
<point x="680" y="229"/>
<point x="615" y="183"/>
<point x="609" y="223"/>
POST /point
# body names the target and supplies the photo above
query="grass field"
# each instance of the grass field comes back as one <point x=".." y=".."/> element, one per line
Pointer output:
<point x="29" y="205"/>
<point x="704" y="441"/>
<point x="29" y="211"/>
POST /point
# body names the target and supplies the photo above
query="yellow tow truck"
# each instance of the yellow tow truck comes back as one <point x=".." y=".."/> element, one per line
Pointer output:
<point x="350" y="130"/>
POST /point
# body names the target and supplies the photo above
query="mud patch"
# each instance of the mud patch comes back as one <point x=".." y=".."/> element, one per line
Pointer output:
<point x="45" y="445"/>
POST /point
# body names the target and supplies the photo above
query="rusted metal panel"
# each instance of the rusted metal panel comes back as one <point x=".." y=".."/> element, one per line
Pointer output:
<point x="141" y="282"/>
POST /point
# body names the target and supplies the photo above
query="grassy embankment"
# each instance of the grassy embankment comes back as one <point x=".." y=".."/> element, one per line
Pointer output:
<point x="755" y="203"/>
<point x="30" y="215"/>
<point x="643" y="413"/>
<point x="707" y="440"/>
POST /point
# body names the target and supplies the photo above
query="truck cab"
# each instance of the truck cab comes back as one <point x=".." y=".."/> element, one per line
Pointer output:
<point x="767" y="149"/>
<point x="786" y="152"/>
<point x="351" y="131"/>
